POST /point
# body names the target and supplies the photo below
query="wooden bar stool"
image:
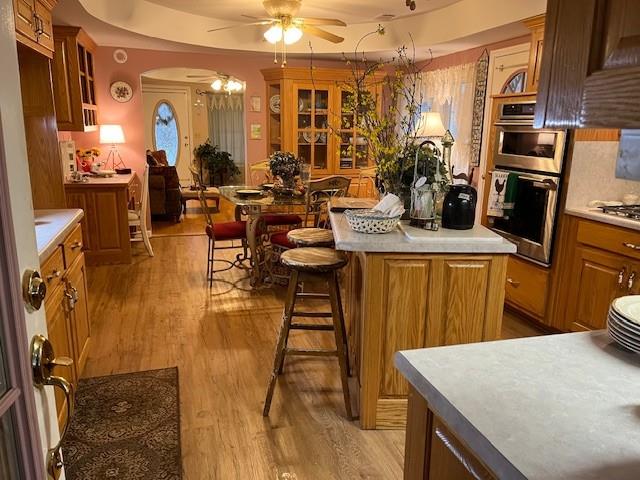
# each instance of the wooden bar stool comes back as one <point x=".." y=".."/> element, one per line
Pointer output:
<point x="311" y="237"/>
<point x="312" y="263"/>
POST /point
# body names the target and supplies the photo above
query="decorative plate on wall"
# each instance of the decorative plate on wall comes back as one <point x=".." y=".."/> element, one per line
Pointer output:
<point x="121" y="91"/>
<point x="120" y="55"/>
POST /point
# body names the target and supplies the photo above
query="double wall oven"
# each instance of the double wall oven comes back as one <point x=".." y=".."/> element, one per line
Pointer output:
<point x="535" y="157"/>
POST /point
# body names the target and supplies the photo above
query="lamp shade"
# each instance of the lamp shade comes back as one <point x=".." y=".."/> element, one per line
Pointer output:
<point x="111" y="134"/>
<point x="429" y="125"/>
<point x="274" y="34"/>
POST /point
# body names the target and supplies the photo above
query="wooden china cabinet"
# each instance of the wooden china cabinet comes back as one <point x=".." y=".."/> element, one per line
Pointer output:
<point x="309" y="115"/>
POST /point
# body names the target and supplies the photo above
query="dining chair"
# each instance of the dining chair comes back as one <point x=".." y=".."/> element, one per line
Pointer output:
<point x="221" y="231"/>
<point x="137" y="218"/>
<point x="367" y="176"/>
<point x="316" y="218"/>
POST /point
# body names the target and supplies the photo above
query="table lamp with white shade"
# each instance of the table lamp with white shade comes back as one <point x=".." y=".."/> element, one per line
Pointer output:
<point x="113" y="135"/>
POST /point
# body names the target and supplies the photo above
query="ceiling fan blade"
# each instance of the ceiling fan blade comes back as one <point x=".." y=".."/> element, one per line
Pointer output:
<point x="263" y="19"/>
<point x="321" y="21"/>
<point x="265" y="22"/>
<point x="318" y="32"/>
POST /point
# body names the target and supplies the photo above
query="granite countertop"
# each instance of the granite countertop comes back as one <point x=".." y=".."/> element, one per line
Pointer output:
<point x="543" y="408"/>
<point x="52" y="226"/>
<point x="407" y="239"/>
<point x="597" y="215"/>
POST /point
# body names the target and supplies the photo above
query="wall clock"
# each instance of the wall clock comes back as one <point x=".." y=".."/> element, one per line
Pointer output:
<point x="121" y="91"/>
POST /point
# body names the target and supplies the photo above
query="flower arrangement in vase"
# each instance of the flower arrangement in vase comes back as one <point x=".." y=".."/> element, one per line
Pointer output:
<point x="85" y="158"/>
<point x="285" y="169"/>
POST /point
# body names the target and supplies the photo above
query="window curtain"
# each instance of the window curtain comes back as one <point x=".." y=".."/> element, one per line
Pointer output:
<point x="450" y="91"/>
<point x="226" y="125"/>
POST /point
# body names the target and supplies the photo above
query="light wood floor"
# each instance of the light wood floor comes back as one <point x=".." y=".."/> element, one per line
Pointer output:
<point x="157" y="313"/>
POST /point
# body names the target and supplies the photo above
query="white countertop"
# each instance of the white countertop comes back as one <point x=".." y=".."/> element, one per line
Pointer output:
<point x="542" y="408"/>
<point x="477" y="240"/>
<point x="52" y="226"/>
<point x="124" y="179"/>
<point x="597" y="215"/>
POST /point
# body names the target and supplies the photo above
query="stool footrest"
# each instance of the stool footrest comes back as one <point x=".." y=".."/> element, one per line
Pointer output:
<point x="310" y="326"/>
<point x="317" y="296"/>
<point x="311" y="352"/>
<point x="312" y="314"/>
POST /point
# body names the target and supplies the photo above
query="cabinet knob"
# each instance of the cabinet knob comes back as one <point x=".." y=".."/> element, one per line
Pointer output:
<point x="54" y="274"/>
<point x="621" y="274"/>
<point x="76" y="245"/>
<point x="630" y="281"/>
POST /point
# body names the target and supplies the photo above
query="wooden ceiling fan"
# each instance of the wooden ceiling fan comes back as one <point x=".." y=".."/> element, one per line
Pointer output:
<point x="285" y="26"/>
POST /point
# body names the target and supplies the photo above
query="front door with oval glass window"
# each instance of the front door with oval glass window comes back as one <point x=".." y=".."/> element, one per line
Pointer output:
<point x="167" y="127"/>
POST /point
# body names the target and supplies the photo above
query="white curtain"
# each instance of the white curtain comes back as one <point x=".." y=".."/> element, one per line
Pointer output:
<point x="450" y="92"/>
<point x="226" y="125"/>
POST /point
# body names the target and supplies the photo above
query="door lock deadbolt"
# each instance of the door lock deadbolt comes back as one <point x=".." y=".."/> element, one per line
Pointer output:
<point x="34" y="289"/>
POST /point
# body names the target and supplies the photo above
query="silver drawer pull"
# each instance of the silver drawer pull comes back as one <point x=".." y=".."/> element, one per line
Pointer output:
<point x="75" y="245"/>
<point x="468" y="466"/>
<point x="632" y="246"/>
<point x="512" y="282"/>
<point x="630" y="281"/>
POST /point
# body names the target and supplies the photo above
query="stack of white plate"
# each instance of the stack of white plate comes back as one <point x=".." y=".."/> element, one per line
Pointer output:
<point x="623" y="322"/>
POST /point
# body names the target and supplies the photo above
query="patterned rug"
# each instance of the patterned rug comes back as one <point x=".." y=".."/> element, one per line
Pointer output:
<point x="125" y="427"/>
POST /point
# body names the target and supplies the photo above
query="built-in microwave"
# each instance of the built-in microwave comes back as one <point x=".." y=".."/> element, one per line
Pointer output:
<point x="519" y="145"/>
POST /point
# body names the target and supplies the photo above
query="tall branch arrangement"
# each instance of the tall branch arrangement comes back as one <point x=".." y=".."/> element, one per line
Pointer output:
<point x="390" y="129"/>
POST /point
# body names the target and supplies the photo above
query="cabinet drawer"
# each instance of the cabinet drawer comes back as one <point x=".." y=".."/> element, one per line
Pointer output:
<point x="526" y="286"/>
<point x="73" y="245"/>
<point x="608" y="237"/>
<point x="52" y="269"/>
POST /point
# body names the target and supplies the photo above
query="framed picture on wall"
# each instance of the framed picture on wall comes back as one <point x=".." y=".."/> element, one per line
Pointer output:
<point x="256" y="131"/>
<point x="256" y="104"/>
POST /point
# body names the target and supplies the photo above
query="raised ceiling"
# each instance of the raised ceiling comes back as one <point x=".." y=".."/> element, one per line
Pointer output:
<point x="442" y="26"/>
<point x="352" y="12"/>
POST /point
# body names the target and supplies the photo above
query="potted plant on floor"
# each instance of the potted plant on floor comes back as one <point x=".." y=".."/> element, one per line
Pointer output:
<point x="216" y="162"/>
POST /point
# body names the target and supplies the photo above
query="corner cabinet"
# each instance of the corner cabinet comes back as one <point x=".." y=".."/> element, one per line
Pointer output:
<point x="74" y="80"/>
<point x="590" y="74"/>
<point x="33" y="24"/>
<point x="309" y="115"/>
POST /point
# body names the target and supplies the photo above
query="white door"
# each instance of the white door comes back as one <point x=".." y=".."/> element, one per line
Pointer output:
<point x="504" y="63"/>
<point x="167" y="127"/>
<point x="30" y="419"/>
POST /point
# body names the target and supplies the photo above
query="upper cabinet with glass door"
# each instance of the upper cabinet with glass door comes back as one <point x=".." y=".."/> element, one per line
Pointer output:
<point x="309" y="116"/>
<point x="74" y="80"/>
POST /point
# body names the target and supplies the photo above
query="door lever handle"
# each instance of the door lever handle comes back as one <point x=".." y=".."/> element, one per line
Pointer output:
<point x="43" y="361"/>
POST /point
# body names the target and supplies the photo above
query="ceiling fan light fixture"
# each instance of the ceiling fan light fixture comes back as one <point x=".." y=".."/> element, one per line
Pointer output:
<point x="292" y="34"/>
<point x="216" y="85"/>
<point x="274" y="34"/>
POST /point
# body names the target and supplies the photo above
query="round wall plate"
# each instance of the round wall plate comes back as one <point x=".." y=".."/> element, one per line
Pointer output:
<point x="121" y="91"/>
<point x="120" y="55"/>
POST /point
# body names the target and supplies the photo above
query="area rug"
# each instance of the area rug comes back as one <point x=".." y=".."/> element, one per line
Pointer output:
<point x="125" y="427"/>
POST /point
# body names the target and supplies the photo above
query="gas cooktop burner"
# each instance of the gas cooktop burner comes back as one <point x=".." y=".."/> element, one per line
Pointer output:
<point x="628" y="211"/>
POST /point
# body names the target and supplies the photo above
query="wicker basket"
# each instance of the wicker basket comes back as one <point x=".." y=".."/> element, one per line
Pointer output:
<point x="370" y="221"/>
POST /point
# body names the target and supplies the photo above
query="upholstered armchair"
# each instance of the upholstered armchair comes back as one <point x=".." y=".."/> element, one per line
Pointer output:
<point x="164" y="188"/>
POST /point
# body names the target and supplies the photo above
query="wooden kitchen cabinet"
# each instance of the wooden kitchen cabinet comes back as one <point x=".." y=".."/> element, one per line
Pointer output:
<point x="34" y="27"/>
<point x="591" y="60"/>
<point x="536" y="25"/>
<point x="599" y="277"/>
<point x="400" y="301"/>
<point x="74" y="80"/>
<point x="311" y="117"/>
<point x="603" y="264"/>
<point x="67" y="310"/>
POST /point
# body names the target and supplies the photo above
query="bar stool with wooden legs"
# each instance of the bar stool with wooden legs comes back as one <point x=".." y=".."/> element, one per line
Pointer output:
<point x="312" y="263"/>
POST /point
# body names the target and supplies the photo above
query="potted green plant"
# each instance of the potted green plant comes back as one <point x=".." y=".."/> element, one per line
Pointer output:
<point x="218" y="163"/>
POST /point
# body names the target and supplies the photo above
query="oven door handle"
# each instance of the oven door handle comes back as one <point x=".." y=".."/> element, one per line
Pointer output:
<point x="515" y="123"/>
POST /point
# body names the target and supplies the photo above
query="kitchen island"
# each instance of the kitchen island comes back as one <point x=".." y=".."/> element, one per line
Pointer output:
<point x="543" y="408"/>
<point x="439" y="288"/>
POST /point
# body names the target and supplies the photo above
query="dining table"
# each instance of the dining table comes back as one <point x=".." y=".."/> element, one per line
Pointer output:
<point x="253" y="204"/>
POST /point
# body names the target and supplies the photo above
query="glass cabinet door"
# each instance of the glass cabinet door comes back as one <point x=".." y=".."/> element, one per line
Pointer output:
<point x="275" y="124"/>
<point x="354" y="151"/>
<point x="312" y="127"/>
